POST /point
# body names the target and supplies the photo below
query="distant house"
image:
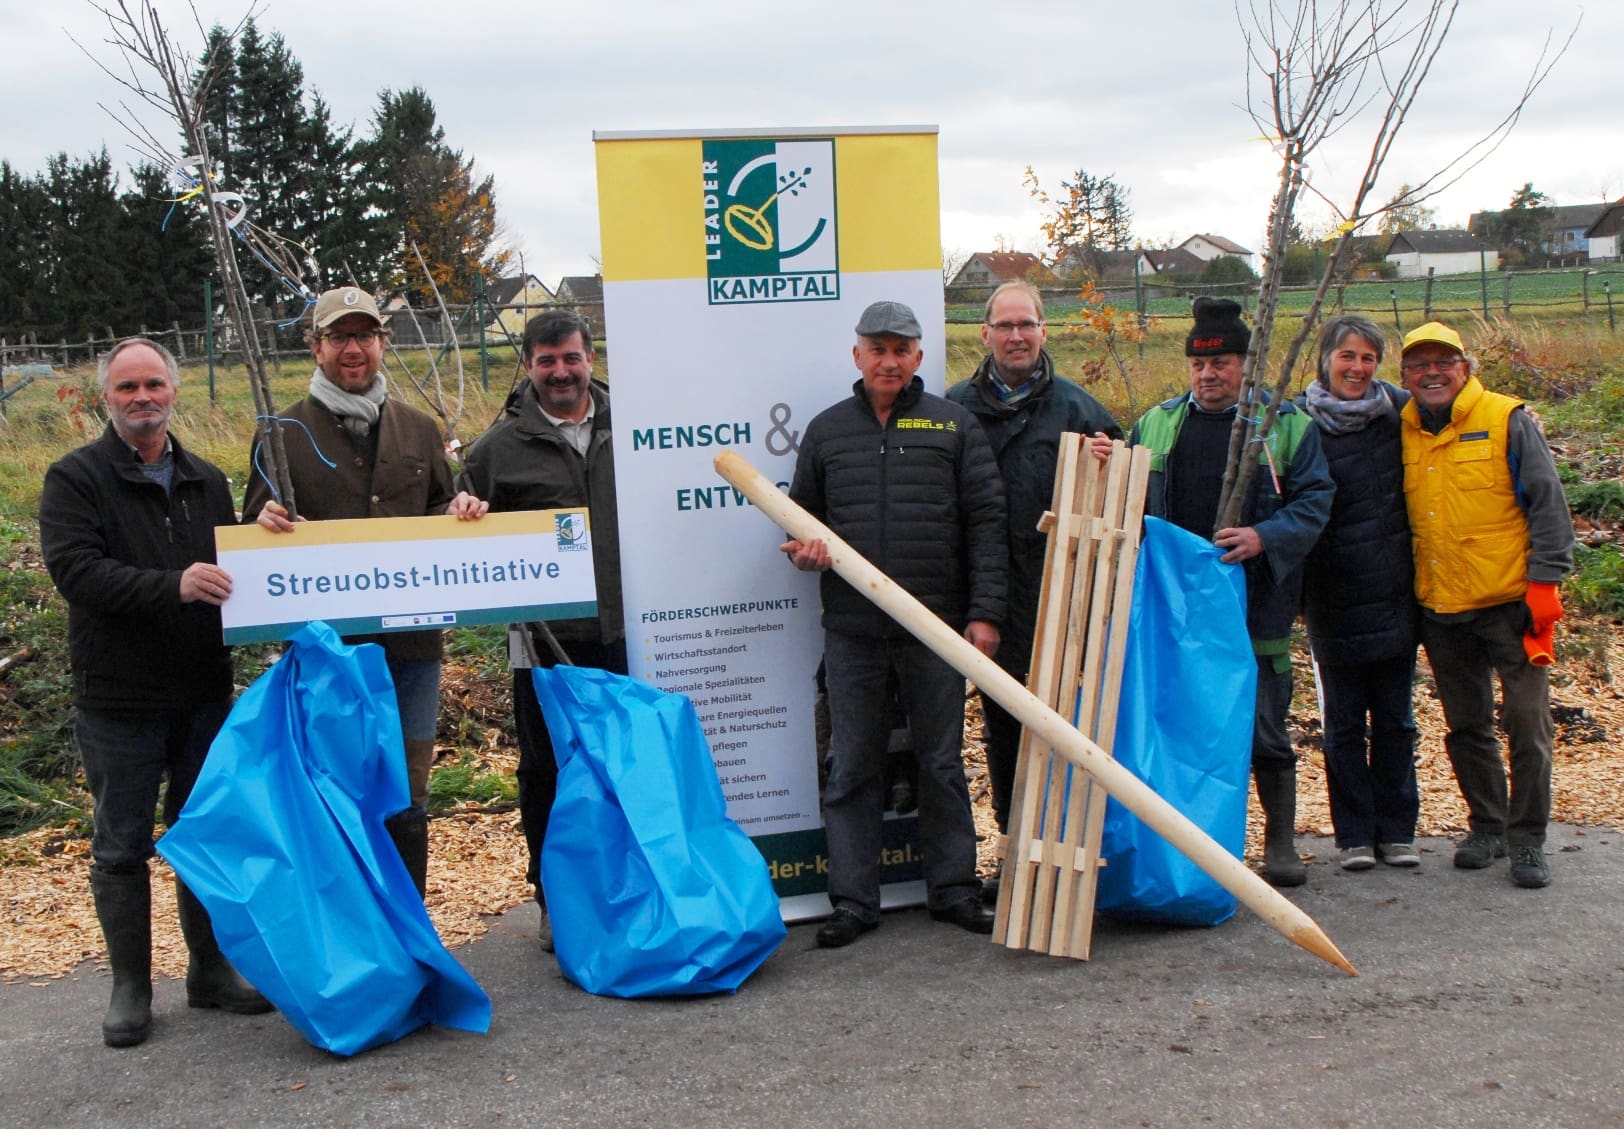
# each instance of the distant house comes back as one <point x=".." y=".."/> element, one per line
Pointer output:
<point x="1605" y="237"/>
<point x="1179" y="260"/>
<point x="585" y="293"/>
<point x="1209" y="247"/>
<point x="990" y="268"/>
<point x="1444" y="252"/>
<point x="580" y="289"/>
<point x="515" y="300"/>
<point x="1101" y="266"/>
<point x="1564" y="228"/>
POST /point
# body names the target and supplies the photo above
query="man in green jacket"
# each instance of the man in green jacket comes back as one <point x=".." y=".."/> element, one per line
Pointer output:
<point x="1287" y="505"/>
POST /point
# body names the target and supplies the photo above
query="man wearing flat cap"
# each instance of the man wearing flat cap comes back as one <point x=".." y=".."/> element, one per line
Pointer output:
<point x="353" y="452"/>
<point x="908" y="479"/>
<point x="1493" y="539"/>
<point x="1286" y="507"/>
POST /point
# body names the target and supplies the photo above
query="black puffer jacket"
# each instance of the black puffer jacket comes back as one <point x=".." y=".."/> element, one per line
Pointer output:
<point x="1359" y="580"/>
<point x="115" y="545"/>
<point x="1026" y="442"/>
<point x="919" y="497"/>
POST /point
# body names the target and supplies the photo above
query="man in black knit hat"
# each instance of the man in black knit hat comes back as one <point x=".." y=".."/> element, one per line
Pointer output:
<point x="1286" y="506"/>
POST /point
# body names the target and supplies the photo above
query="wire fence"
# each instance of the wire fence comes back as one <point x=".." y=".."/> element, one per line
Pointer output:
<point x="1594" y="292"/>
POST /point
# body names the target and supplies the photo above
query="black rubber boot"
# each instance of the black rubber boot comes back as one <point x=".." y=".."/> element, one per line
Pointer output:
<point x="210" y="979"/>
<point x="409" y="830"/>
<point x="1277" y="793"/>
<point x="124" y="908"/>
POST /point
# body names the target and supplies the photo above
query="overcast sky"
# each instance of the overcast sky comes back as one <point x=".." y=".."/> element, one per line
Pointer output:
<point x="1152" y="92"/>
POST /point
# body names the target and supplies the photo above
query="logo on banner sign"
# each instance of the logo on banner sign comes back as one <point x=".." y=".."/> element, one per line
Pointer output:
<point x="770" y="233"/>
<point x="571" y="529"/>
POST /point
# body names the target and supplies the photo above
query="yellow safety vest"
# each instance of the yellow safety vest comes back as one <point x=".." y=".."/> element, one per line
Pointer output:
<point x="1469" y="534"/>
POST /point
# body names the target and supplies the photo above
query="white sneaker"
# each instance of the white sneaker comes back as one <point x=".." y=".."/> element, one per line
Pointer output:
<point x="1357" y="858"/>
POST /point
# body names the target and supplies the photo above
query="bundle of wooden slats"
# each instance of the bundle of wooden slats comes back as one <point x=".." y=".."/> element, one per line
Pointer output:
<point x="1050" y="858"/>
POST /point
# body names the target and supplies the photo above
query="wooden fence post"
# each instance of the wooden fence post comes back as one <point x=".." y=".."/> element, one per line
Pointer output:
<point x="1426" y="298"/>
<point x="1505" y="296"/>
<point x="1584" y="288"/>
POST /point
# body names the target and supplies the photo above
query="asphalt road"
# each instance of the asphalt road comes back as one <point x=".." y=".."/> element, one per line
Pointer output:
<point x="1478" y="1004"/>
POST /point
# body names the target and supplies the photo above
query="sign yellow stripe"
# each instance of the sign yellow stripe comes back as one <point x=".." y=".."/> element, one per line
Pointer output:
<point x="890" y="211"/>
<point x="651" y="216"/>
<point x="382" y="530"/>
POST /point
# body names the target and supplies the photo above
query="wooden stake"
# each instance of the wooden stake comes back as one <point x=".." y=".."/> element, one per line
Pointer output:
<point x="1199" y="847"/>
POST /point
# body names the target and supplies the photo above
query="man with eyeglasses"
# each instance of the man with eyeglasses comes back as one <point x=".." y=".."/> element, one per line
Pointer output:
<point x="1023" y="404"/>
<point x="1493" y="539"/>
<point x="354" y="452"/>
<point x="1286" y="507"/>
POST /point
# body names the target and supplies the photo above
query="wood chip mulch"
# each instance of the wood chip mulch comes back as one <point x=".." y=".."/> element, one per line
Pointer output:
<point x="476" y="871"/>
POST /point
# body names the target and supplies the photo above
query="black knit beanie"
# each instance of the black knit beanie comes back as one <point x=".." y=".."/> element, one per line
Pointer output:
<point x="1218" y="329"/>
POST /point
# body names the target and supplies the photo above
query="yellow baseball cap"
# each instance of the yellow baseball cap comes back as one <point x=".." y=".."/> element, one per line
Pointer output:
<point x="1433" y="333"/>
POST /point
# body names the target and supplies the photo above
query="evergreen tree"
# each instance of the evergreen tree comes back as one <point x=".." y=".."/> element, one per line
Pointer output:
<point x="24" y="255"/>
<point x="427" y="194"/>
<point x="84" y="292"/>
<point x="162" y="251"/>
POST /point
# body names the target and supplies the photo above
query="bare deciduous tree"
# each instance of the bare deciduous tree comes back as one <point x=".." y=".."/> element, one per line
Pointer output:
<point x="1315" y="69"/>
<point x="156" y="73"/>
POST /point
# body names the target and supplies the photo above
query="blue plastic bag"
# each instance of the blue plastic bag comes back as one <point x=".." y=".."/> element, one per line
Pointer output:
<point x="1184" y="727"/>
<point x="283" y="841"/>
<point x="652" y="889"/>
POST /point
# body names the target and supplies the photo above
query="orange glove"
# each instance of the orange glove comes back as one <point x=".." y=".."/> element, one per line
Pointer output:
<point x="1541" y="649"/>
<point x="1544" y="602"/>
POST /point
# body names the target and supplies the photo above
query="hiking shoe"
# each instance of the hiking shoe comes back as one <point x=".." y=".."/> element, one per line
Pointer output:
<point x="842" y="928"/>
<point x="1479" y="849"/>
<point x="1398" y="854"/>
<point x="544" y="931"/>
<point x="1357" y="858"/>
<point x="1528" y="868"/>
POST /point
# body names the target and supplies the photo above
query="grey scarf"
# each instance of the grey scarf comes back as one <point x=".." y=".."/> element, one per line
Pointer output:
<point x="357" y="414"/>
<point x="1341" y="417"/>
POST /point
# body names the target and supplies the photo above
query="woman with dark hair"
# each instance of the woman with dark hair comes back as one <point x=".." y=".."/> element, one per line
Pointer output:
<point x="1359" y="601"/>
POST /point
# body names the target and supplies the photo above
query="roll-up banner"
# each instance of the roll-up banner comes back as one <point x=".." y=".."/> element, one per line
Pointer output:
<point x="735" y="265"/>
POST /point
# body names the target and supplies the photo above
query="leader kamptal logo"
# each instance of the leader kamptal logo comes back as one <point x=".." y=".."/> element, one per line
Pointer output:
<point x="770" y="231"/>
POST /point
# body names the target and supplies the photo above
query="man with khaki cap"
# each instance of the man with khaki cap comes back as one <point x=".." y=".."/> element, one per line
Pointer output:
<point x="1493" y="540"/>
<point x="354" y="452"/>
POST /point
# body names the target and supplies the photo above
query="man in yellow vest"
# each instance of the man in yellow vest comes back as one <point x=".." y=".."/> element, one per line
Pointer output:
<point x="1493" y="540"/>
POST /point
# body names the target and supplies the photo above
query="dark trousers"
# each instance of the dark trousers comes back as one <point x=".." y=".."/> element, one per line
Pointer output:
<point x="1001" y="738"/>
<point x="1369" y="735"/>
<point x="1466" y="655"/>
<point x="537" y="773"/>
<point x="1271" y="741"/>
<point x="858" y="669"/>
<point x="127" y="754"/>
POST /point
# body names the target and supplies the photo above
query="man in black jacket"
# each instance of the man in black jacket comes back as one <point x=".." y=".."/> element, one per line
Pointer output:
<point x="127" y="528"/>
<point x="908" y="480"/>
<point x="551" y="449"/>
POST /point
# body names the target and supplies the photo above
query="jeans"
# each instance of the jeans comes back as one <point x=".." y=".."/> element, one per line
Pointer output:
<point x="858" y="669"/>
<point x="417" y="696"/>
<point x="1370" y="769"/>
<point x="1465" y="656"/>
<point x="537" y="773"/>
<point x="127" y="754"/>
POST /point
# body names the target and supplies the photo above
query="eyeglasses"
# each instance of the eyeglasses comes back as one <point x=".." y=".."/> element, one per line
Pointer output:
<point x="1416" y="368"/>
<point x="342" y="340"/>
<point x="1026" y="326"/>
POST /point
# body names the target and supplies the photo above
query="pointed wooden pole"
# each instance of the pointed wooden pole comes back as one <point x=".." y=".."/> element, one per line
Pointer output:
<point x="1199" y="847"/>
